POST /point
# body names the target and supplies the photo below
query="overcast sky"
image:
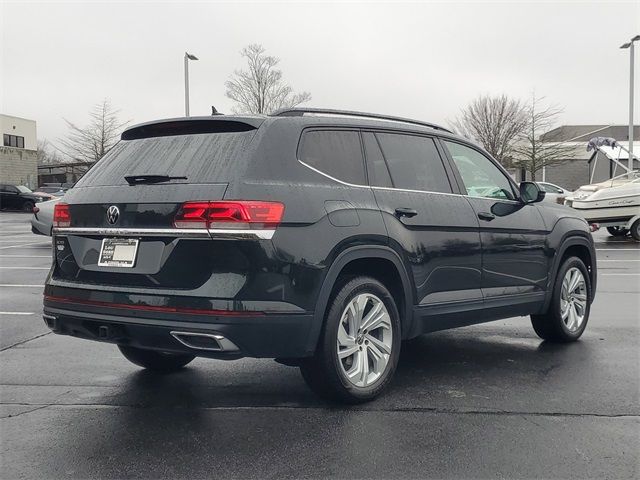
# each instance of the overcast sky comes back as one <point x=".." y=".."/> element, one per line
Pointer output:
<point x="422" y="59"/>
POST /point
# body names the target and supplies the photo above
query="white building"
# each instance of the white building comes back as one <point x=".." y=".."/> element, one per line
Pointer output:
<point x="19" y="151"/>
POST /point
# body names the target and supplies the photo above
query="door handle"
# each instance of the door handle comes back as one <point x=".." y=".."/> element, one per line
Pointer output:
<point x="406" y="212"/>
<point x="486" y="216"/>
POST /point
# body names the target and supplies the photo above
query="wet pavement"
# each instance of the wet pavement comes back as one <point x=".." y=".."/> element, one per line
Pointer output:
<point x="489" y="401"/>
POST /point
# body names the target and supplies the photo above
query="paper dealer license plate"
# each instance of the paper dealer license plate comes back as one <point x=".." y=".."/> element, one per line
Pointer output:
<point x="118" y="252"/>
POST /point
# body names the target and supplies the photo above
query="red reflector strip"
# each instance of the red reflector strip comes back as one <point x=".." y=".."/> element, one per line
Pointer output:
<point x="154" y="308"/>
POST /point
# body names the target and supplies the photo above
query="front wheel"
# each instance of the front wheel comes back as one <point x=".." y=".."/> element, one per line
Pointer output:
<point x="28" y="206"/>
<point x="157" y="361"/>
<point x="568" y="313"/>
<point x="360" y="344"/>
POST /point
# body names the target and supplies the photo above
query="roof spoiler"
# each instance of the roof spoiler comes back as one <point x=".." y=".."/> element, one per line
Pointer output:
<point x="191" y="126"/>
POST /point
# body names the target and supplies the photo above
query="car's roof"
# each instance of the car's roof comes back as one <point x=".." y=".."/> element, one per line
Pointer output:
<point x="346" y="119"/>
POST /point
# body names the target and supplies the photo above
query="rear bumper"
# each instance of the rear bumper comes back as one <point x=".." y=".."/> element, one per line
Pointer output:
<point x="265" y="336"/>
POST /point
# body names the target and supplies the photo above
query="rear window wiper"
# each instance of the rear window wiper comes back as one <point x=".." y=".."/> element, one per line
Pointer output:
<point x="142" y="179"/>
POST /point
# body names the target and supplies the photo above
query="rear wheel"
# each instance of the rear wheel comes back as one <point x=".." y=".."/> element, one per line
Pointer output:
<point x="617" y="231"/>
<point x="635" y="230"/>
<point x="155" y="360"/>
<point x="568" y="313"/>
<point x="359" y="346"/>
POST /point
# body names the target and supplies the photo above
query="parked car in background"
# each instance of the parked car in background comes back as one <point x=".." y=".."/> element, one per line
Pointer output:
<point x="53" y="190"/>
<point x="42" y="220"/>
<point x="554" y="193"/>
<point x="19" y="197"/>
<point x="316" y="237"/>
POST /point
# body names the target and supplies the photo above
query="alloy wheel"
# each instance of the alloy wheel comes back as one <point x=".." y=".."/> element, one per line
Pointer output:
<point x="573" y="299"/>
<point x="365" y="339"/>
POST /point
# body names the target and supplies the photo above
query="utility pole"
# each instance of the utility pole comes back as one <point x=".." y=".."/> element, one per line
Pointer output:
<point x="187" y="57"/>
<point x="630" y="46"/>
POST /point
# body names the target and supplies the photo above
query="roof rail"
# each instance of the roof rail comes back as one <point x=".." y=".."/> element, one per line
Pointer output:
<point x="299" y="112"/>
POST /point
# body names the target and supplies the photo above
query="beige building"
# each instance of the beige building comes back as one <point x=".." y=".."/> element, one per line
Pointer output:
<point x="19" y="151"/>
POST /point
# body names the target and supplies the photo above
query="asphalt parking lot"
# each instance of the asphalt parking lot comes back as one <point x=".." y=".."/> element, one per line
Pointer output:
<point x="490" y="401"/>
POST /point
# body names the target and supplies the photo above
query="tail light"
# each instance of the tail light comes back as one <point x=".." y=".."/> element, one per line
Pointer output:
<point x="229" y="214"/>
<point x="61" y="215"/>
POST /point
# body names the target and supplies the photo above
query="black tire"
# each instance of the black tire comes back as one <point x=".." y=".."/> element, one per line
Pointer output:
<point x="550" y="325"/>
<point x="28" y="206"/>
<point x="635" y="230"/>
<point x="323" y="372"/>
<point x="157" y="361"/>
<point x="617" y="231"/>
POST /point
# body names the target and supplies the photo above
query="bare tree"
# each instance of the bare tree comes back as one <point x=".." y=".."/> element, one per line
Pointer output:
<point x="261" y="89"/>
<point x="532" y="153"/>
<point x="495" y="123"/>
<point x="92" y="142"/>
<point x="47" y="154"/>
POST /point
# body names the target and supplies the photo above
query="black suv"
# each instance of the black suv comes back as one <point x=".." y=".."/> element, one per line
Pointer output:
<point x="319" y="238"/>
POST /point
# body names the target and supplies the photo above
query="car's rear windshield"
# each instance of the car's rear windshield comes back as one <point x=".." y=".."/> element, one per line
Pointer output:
<point x="202" y="158"/>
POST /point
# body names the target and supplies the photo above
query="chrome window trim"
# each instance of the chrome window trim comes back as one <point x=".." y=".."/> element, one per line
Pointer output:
<point x="401" y="189"/>
<point x="212" y="233"/>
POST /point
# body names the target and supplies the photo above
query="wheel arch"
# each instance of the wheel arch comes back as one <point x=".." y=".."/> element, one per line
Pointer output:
<point x="574" y="245"/>
<point x="347" y="262"/>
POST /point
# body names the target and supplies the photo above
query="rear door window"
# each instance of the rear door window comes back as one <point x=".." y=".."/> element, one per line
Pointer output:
<point x="414" y="162"/>
<point x="337" y="153"/>
<point x="202" y="158"/>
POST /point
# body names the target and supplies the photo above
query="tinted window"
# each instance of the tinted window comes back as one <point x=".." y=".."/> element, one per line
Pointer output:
<point x="334" y="152"/>
<point x="479" y="174"/>
<point x="376" y="166"/>
<point x="202" y="158"/>
<point x="414" y="162"/>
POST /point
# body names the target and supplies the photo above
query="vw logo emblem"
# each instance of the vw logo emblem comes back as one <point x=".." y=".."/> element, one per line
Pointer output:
<point x="113" y="213"/>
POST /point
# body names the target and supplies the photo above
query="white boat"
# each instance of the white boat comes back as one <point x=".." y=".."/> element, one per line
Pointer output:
<point x="613" y="201"/>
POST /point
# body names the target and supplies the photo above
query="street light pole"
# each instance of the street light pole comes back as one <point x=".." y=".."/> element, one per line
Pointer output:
<point x="187" y="57"/>
<point x="630" y="46"/>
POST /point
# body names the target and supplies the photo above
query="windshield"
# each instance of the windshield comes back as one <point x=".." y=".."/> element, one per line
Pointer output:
<point x="632" y="175"/>
<point x="202" y="158"/>
<point x="23" y="189"/>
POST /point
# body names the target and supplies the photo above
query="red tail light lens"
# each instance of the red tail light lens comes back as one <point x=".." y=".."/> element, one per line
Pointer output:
<point x="229" y="214"/>
<point x="192" y="215"/>
<point x="61" y="215"/>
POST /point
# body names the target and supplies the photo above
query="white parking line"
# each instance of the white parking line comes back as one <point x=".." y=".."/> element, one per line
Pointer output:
<point x="18" y="240"/>
<point x="619" y="274"/>
<point x="25" y="245"/>
<point x="17" y="313"/>
<point x="24" y="268"/>
<point x="601" y="261"/>
<point x="617" y="249"/>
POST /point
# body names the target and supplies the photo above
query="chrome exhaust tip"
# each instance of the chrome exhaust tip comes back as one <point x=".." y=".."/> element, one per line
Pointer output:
<point x="205" y="341"/>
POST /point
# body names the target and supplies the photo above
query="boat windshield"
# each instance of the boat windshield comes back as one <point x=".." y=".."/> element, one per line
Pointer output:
<point x="632" y="176"/>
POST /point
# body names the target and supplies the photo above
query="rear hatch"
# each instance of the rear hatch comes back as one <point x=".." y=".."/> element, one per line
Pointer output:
<point x="121" y="228"/>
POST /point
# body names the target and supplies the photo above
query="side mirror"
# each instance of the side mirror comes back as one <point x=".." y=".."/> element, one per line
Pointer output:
<point x="530" y="192"/>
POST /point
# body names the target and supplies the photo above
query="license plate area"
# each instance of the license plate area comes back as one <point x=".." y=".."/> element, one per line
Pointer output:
<point x="118" y="252"/>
